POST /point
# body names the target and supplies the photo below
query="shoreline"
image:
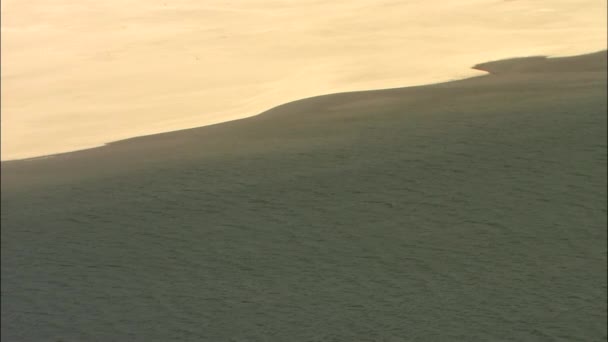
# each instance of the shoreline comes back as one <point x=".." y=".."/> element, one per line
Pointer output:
<point x="55" y="154"/>
<point x="478" y="69"/>
<point x="77" y="76"/>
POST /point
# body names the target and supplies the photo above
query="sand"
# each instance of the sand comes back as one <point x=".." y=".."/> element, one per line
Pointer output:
<point x="77" y="74"/>
<point x="465" y="211"/>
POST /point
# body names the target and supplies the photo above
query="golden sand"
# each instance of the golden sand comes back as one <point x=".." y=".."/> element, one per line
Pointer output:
<point x="78" y="74"/>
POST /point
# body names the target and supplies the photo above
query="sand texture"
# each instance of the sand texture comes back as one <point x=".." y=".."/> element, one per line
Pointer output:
<point x="82" y="73"/>
<point x="472" y="210"/>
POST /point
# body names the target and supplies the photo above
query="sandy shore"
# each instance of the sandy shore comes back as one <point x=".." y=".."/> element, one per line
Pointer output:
<point x="472" y="210"/>
<point x="81" y="74"/>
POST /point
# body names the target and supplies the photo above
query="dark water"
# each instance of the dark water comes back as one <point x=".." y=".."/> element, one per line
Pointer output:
<point x="468" y="211"/>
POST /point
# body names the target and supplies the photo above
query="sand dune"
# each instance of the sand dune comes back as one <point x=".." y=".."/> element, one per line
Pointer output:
<point x="466" y="211"/>
<point x="77" y="74"/>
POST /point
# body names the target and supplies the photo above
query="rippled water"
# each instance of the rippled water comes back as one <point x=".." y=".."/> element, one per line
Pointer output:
<point x="469" y="211"/>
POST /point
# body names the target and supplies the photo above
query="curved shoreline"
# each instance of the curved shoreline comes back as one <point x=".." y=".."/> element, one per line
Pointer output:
<point x="487" y="68"/>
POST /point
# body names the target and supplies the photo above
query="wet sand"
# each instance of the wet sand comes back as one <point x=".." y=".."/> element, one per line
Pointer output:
<point x="472" y="210"/>
<point x="78" y="74"/>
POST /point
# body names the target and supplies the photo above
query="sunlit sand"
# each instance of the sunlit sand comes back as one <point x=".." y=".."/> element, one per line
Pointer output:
<point x="78" y="74"/>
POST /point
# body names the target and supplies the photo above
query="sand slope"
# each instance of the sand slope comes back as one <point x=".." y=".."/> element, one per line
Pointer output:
<point x="77" y="74"/>
<point x="465" y="211"/>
